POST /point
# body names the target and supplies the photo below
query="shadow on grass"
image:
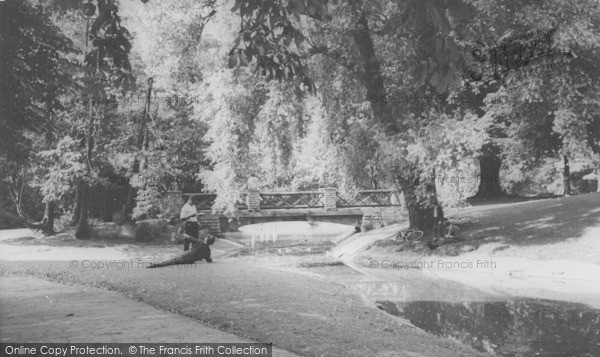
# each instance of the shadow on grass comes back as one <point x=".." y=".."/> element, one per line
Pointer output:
<point x="477" y="201"/>
<point x="534" y="222"/>
<point x="103" y="235"/>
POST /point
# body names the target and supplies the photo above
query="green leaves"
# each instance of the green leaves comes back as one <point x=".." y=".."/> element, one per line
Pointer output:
<point x="268" y="35"/>
<point x="435" y="30"/>
<point x="110" y="55"/>
<point x="33" y="74"/>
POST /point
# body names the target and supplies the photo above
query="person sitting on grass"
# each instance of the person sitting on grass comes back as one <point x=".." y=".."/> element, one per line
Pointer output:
<point x="200" y="250"/>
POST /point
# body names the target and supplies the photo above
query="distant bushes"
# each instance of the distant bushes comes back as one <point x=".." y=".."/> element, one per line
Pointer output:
<point x="151" y="229"/>
<point x="546" y="178"/>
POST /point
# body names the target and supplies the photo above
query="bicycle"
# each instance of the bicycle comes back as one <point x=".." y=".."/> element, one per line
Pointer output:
<point x="409" y="235"/>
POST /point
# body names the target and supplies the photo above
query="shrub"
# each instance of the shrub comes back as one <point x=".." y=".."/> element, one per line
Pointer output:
<point x="151" y="229"/>
<point x="62" y="222"/>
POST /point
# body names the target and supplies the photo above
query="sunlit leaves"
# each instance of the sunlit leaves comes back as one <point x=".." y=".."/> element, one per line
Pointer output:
<point x="269" y="37"/>
<point x="33" y="73"/>
<point x="110" y="53"/>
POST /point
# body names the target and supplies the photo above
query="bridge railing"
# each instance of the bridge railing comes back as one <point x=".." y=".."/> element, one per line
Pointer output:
<point x="204" y="201"/>
<point x="289" y="200"/>
<point x="327" y="199"/>
<point x="371" y="198"/>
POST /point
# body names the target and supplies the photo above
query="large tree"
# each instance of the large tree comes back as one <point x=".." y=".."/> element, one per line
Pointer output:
<point x="277" y="36"/>
<point x="34" y="73"/>
<point x="544" y="106"/>
<point x="81" y="159"/>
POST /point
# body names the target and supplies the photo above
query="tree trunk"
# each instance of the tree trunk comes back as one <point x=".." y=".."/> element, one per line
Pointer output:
<point x="419" y="218"/>
<point x="76" y="206"/>
<point x="46" y="225"/>
<point x="373" y="76"/>
<point x="83" y="229"/>
<point x="489" y="180"/>
<point x="373" y="178"/>
<point x="566" y="176"/>
<point x="48" y="220"/>
<point x="598" y="179"/>
<point x="421" y="215"/>
<point x="130" y="202"/>
<point x="142" y="144"/>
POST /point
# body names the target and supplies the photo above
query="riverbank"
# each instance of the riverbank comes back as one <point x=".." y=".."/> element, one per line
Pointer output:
<point x="285" y="292"/>
<point x="304" y="308"/>
<point x="546" y="249"/>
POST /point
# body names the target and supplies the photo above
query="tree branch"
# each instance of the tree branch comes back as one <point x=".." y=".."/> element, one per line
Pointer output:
<point x="338" y="57"/>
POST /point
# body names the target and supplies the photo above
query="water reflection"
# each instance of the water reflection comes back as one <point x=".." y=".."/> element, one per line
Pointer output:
<point x="519" y="327"/>
<point x="272" y="232"/>
<point x="410" y="286"/>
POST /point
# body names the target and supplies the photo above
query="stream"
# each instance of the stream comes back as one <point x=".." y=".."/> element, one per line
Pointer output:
<point x="516" y="327"/>
<point x="500" y="324"/>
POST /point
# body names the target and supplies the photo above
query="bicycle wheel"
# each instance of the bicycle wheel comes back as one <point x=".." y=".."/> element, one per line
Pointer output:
<point x="413" y="235"/>
<point x="398" y="236"/>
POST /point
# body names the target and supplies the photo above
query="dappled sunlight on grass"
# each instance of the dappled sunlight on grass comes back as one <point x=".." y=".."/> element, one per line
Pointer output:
<point x="583" y="248"/>
<point x="540" y="222"/>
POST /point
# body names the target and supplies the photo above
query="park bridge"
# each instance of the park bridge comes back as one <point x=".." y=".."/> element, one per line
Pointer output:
<point x="324" y="205"/>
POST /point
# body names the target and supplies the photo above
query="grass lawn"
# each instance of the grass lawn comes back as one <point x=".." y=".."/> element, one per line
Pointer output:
<point x="555" y="228"/>
<point x="561" y="228"/>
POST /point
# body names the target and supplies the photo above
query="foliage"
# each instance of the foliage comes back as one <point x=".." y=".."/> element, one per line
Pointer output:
<point x="230" y="116"/>
<point x="291" y="95"/>
<point x="33" y="74"/>
<point x="271" y="33"/>
<point x="545" y="177"/>
<point x="382" y="56"/>
<point x="149" y="230"/>
<point x="540" y="116"/>
<point x="172" y="153"/>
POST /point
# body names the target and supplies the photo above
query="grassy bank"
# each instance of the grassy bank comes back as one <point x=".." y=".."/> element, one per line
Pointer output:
<point x="297" y="301"/>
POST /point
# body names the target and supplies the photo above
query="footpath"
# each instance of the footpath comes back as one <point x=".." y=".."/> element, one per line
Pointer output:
<point x="42" y="311"/>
